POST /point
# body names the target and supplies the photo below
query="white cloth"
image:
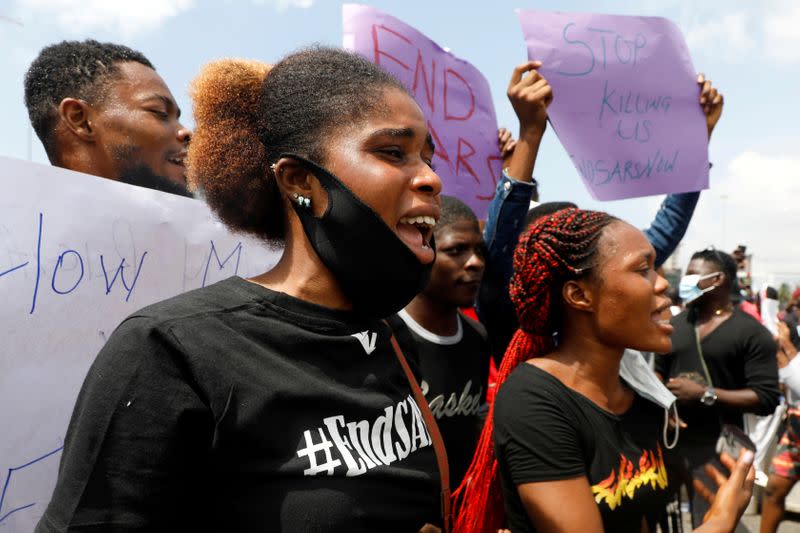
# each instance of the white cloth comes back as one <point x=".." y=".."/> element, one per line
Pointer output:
<point x="769" y="314"/>
<point x="790" y="376"/>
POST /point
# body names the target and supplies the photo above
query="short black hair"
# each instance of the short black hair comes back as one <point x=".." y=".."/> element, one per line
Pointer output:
<point x="454" y="210"/>
<point x="724" y="262"/>
<point x="70" y="69"/>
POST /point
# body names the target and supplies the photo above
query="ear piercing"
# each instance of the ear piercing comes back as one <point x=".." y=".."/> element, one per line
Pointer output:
<point x="273" y="167"/>
<point x="302" y="201"/>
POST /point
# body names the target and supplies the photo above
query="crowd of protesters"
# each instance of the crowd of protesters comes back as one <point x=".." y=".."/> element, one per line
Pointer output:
<point x="400" y="349"/>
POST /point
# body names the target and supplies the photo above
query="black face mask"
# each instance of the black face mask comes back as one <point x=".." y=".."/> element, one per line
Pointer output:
<point x="378" y="273"/>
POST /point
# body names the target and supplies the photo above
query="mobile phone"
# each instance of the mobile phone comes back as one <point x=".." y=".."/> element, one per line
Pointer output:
<point x="733" y="440"/>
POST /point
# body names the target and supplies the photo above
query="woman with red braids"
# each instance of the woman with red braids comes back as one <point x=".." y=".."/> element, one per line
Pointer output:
<point x="569" y="446"/>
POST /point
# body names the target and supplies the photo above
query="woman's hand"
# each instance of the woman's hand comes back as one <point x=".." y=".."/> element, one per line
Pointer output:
<point x="506" y="143"/>
<point x="733" y="495"/>
<point x="674" y="421"/>
<point x="711" y="101"/>
<point x="530" y="95"/>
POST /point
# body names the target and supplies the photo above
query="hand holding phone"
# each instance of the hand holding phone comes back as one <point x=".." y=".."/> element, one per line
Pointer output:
<point x="733" y="440"/>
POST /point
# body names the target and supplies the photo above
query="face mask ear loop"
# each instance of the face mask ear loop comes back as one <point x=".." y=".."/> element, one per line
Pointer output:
<point x="674" y="407"/>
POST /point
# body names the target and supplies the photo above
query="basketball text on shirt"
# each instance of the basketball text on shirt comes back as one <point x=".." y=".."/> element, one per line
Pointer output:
<point x="464" y="405"/>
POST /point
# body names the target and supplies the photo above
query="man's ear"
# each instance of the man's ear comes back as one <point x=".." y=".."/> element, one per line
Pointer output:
<point x="579" y="295"/>
<point x="76" y="116"/>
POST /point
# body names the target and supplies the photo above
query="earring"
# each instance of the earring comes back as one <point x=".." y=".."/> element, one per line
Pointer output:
<point x="302" y="201"/>
<point x="273" y="167"/>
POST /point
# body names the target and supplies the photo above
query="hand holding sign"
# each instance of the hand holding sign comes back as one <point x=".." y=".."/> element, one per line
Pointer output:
<point x="506" y="144"/>
<point x="712" y="102"/>
<point x="626" y="102"/>
<point x="530" y="96"/>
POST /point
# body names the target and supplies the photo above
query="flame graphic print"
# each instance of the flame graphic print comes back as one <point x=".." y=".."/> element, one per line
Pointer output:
<point x="626" y="481"/>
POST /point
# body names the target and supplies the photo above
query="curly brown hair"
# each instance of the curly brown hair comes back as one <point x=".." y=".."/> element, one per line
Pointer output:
<point x="249" y="114"/>
<point x="226" y="160"/>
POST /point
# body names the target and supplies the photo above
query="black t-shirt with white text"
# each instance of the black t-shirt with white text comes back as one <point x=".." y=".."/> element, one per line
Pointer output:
<point x="237" y="408"/>
<point x="545" y="431"/>
<point x="454" y="373"/>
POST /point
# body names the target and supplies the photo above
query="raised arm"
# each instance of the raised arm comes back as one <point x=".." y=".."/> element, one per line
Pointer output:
<point x="670" y="223"/>
<point x="529" y="95"/>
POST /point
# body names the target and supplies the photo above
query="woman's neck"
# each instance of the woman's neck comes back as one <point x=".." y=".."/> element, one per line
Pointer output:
<point x="435" y="316"/>
<point x="591" y="368"/>
<point x="300" y="273"/>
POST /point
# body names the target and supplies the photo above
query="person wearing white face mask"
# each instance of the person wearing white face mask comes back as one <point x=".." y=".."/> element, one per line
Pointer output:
<point x="722" y="365"/>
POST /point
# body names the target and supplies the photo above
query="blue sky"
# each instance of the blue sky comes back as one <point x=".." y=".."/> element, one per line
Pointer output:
<point x="750" y="50"/>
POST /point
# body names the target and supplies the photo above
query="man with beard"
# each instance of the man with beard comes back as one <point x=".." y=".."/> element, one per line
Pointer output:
<point x="101" y="109"/>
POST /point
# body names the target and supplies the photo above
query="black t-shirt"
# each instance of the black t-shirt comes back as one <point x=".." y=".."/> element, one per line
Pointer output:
<point x="237" y="408"/>
<point x="455" y="371"/>
<point x="545" y="431"/>
<point x="739" y="354"/>
<point x="496" y="311"/>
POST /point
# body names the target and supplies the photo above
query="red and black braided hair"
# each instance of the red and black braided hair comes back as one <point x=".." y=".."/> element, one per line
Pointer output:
<point x="554" y="249"/>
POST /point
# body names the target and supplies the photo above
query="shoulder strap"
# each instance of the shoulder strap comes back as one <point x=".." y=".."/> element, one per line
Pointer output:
<point x="433" y="430"/>
<point x="702" y="357"/>
<point x="408" y="346"/>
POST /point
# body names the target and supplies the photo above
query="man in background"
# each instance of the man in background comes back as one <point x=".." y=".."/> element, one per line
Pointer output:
<point x="722" y="365"/>
<point x="101" y="109"/>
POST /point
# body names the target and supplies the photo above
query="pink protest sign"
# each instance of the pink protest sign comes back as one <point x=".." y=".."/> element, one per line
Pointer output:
<point x="625" y="102"/>
<point x="453" y="94"/>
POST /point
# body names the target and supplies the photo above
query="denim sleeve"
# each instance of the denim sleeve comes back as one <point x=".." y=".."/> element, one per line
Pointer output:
<point x="670" y="224"/>
<point x="505" y="223"/>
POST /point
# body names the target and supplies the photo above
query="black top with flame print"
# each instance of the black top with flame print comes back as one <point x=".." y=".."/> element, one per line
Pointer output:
<point x="545" y="431"/>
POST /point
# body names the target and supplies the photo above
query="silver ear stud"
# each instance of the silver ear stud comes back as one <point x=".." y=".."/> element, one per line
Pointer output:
<point x="302" y="201"/>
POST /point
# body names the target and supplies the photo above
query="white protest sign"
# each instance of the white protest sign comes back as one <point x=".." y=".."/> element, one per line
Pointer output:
<point x="77" y="255"/>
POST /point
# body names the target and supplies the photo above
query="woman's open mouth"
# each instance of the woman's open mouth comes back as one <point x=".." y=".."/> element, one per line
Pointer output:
<point x="657" y="318"/>
<point x="416" y="232"/>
